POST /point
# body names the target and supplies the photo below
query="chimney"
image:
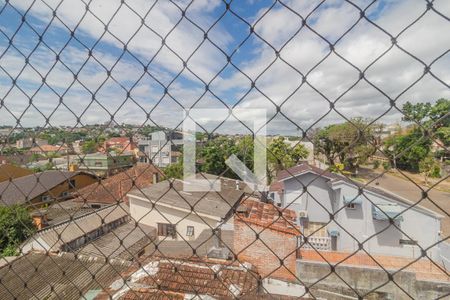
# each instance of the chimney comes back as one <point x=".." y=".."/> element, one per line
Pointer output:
<point x="40" y="219"/>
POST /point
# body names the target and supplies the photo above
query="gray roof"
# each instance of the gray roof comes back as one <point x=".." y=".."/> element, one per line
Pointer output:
<point x="216" y="204"/>
<point x="25" y="188"/>
<point x="124" y="242"/>
<point x="44" y="277"/>
<point x="55" y="237"/>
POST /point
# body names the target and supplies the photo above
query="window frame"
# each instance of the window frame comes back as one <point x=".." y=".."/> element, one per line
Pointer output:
<point x="166" y="230"/>
<point x="190" y="231"/>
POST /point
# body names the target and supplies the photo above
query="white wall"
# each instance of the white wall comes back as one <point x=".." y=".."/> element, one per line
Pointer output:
<point x="417" y="225"/>
<point x="142" y="212"/>
<point x="317" y="201"/>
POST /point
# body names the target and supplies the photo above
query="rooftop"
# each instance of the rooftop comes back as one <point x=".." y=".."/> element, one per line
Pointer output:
<point x="268" y="215"/>
<point x="211" y="203"/>
<point x="56" y="237"/>
<point x="56" y="276"/>
<point x="8" y="171"/>
<point x="179" y="279"/>
<point x="114" y="188"/>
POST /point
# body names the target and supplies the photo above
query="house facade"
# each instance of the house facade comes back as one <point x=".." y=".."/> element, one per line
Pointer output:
<point x="339" y="214"/>
<point x="105" y="164"/>
<point x="41" y="188"/>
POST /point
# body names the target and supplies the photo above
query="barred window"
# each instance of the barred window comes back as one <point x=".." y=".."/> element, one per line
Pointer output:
<point x="166" y="229"/>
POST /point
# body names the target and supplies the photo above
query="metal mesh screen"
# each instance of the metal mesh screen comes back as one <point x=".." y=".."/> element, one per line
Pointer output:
<point x="93" y="98"/>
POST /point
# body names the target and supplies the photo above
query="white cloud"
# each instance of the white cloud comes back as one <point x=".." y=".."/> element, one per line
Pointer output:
<point x="393" y="73"/>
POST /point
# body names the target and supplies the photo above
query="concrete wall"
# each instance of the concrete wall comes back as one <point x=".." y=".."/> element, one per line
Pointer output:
<point x="365" y="280"/>
<point x="142" y="212"/>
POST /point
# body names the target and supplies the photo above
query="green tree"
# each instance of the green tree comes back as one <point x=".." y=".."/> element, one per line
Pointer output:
<point x="281" y="155"/>
<point x="350" y="143"/>
<point x="428" y="167"/>
<point x="16" y="225"/>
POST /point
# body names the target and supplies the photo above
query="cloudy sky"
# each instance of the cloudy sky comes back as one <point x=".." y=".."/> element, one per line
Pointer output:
<point x="143" y="62"/>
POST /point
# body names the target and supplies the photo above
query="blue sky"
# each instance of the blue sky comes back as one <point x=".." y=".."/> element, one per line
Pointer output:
<point x="130" y="94"/>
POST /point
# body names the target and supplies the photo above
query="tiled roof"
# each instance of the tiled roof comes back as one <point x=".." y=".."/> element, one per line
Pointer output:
<point x="21" y="189"/>
<point x="113" y="189"/>
<point x="178" y="279"/>
<point x="268" y="215"/>
<point x="8" y="171"/>
<point x="123" y="242"/>
<point x="55" y="237"/>
<point x="56" y="276"/>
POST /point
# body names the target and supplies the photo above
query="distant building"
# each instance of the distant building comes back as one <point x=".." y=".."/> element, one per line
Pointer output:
<point x="48" y="149"/>
<point x="114" y="188"/>
<point x="121" y="144"/>
<point x="29" y="143"/>
<point x="44" y="187"/>
<point x="105" y="164"/>
<point x="77" y="146"/>
<point x="361" y="215"/>
<point x="8" y="171"/>
<point x="161" y="149"/>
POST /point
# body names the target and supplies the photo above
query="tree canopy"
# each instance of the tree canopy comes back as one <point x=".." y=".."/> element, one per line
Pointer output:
<point x="16" y="225"/>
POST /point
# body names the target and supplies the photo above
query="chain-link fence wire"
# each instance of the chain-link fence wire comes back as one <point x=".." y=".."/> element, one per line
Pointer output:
<point x="155" y="246"/>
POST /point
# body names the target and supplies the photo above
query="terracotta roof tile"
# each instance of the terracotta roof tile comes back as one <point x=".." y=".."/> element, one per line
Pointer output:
<point x="156" y="278"/>
<point x="114" y="188"/>
<point x="270" y="216"/>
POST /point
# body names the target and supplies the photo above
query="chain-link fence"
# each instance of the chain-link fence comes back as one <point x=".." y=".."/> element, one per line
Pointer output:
<point x="109" y="107"/>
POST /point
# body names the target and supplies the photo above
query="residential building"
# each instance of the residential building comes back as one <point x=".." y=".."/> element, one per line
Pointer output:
<point x="328" y="203"/>
<point x="162" y="148"/>
<point x="49" y="149"/>
<point x="77" y="146"/>
<point x="70" y="235"/>
<point x="105" y="164"/>
<point x="120" y="144"/>
<point x="180" y="215"/>
<point x="45" y="187"/>
<point x="218" y="224"/>
<point x="114" y="188"/>
<point x="30" y="142"/>
<point x="9" y="171"/>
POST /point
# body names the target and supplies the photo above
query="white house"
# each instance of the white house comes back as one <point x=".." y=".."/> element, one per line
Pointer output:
<point x="338" y="214"/>
<point x="183" y="216"/>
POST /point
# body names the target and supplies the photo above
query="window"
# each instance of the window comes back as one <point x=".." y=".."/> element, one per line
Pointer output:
<point x="72" y="184"/>
<point x="351" y="206"/>
<point x="190" y="231"/>
<point x="166" y="230"/>
<point x="98" y="164"/>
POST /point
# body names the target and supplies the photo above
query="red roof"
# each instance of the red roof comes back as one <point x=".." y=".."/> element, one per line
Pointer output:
<point x="270" y="216"/>
<point x="114" y="188"/>
<point x="118" y="140"/>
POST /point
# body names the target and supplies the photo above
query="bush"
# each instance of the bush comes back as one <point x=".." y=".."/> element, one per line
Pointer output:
<point x="16" y="225"/>
<point x="386" y="166"/>
<point x="435" y="172"/>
